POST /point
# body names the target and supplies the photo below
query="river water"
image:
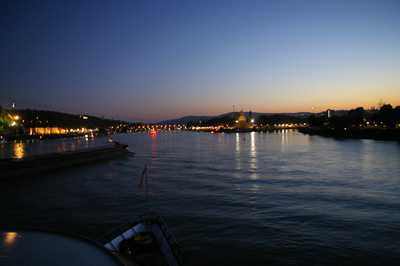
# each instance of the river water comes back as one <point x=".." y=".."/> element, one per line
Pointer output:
<point x="279" y="198"/>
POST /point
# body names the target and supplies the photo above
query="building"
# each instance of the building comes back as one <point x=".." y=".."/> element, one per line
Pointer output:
<point x="242" y="124"/>
<point x="46" y="130"/>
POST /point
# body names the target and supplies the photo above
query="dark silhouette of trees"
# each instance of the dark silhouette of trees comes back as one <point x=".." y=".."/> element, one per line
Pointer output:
<point x="41" y="118"/>
<point x="317" y="121"/>
<point x="356" y="116"/>
<point x="5" y="120"/>
<point x="250" y="116"/>
<point x="339" y="123"/>
<point x="190" y="124"/>
<point x="387" y="116"/>
<point x="272" y="120"/>
<point x="219" y="121"/>
<point x="380" y="125"/>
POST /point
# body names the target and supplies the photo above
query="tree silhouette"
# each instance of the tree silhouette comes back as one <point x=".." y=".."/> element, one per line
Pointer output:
<point x="387" y="116"/>
<point x="5" y="120"/>
<point x="356" y="116"/>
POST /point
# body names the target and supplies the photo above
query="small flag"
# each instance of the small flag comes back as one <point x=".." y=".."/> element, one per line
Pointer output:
<point x="144" y="171"/>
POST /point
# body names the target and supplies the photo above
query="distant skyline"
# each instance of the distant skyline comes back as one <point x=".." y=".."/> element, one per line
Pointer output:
<point x="148" y="61"/>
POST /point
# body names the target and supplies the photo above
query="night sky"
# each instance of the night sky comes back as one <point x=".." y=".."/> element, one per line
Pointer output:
<point x="147" y="61"/>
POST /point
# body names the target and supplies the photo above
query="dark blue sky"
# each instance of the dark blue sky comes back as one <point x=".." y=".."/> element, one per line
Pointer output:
<point x="155" y="60"/>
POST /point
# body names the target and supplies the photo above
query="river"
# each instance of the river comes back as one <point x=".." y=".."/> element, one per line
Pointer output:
<point x="278" y="198"/>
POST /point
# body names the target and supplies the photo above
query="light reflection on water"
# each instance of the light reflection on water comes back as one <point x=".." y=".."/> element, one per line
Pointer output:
<point x="22" y="149"/>
<point x="253" y="156"/>
<point x="19" y="151"/>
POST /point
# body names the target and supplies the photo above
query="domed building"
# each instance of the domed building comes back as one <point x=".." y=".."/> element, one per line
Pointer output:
<point x="242" y="124"/>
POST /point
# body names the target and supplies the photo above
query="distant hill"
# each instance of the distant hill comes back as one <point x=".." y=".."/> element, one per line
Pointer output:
<point x="196" y="119"/>
<point x="42" y="118"/>
<point x="184" y="120"/>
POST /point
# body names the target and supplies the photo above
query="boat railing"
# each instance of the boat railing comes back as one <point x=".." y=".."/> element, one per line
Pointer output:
<point x="145" y="219"/>
<point x="168" y="236"/>
<point x="119" y="231"/>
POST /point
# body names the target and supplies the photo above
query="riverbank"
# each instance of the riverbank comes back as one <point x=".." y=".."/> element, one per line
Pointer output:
<point x="34" y="138"/>
<point x="243" y="130"/>
<point x="392" y="134"/>
<point x="39" y="137"/>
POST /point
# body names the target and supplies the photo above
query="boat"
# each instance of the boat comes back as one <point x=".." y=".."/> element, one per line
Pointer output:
<point x="35" y="246"/>
<point x="147" y="241"/>
<point x="12" y="167"/>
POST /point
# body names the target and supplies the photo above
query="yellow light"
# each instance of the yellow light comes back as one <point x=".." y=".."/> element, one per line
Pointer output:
<point x="10" y="238"/>
<point x="16" y="117"/>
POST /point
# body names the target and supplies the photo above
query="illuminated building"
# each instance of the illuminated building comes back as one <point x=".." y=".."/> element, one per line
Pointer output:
<point x="242" y="122"/>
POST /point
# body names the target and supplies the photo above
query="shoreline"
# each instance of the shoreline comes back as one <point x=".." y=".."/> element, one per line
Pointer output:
<point x="245" y="130"/>
<point x="389" y="134"/>
<point x="34" y="138"/>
